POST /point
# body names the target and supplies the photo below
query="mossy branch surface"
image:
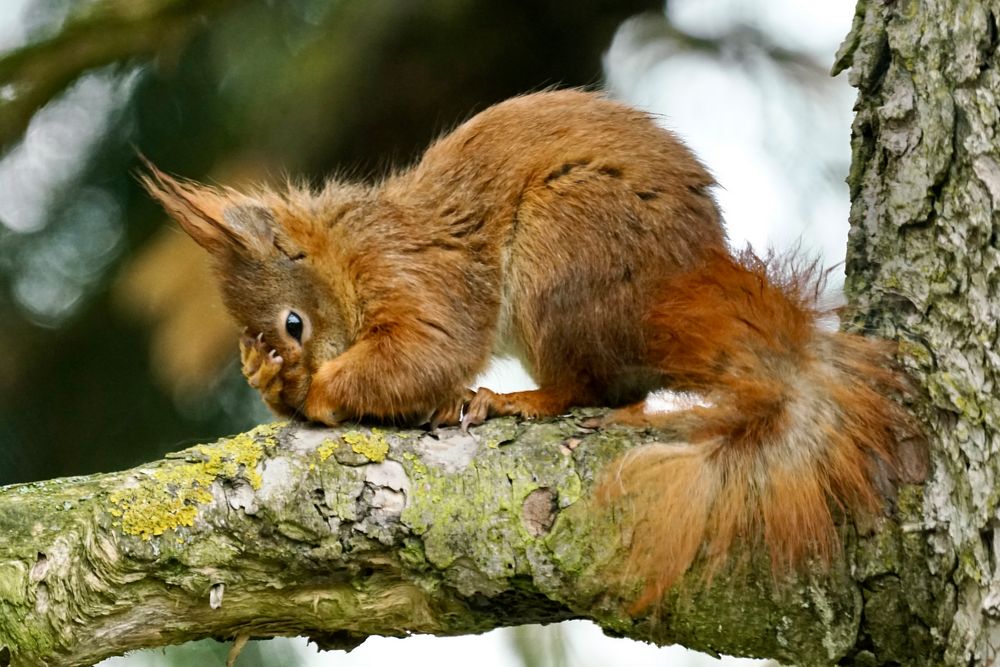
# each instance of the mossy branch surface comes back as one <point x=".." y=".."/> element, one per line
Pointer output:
<point x="339" y="534"/>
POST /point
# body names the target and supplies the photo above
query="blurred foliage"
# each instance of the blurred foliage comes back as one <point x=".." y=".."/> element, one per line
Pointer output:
<point x="93" y="34"/>
<point x="211" y="653"/>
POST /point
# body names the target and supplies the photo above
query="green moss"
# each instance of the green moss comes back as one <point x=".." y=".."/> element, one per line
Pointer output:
<point x="499" y="431"/>
<point x="485" y="497"/>
<point x="896" y="638"/>
<point x="374" y="447"/>
<point x="25" y="638"/>
<point x="879" y="553"/>
<point x="595" y="566"/>
<point x="439" y="514"/>
<point x="213" y="551"/>
<point x="970" y="565"/>
<point x="946" y="387"/>
<point x="411" y="555"/>
<point x="13" y="580"/>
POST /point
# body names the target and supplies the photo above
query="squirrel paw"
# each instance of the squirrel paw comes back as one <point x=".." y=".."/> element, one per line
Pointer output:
<point x="452" y="413"/>
<point x="534" y="404"/>
<point x="327" y="416"/>
<point x="487" y="403"/>
<point x="480" y="408"/>
<point x="261" y="367"/>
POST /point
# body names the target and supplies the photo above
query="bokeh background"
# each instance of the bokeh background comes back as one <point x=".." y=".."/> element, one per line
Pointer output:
<point x="114" y="348"/>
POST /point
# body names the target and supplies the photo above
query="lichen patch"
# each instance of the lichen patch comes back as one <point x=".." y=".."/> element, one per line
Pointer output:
<point x="168" y="497"/>
<point x="327" y="448"/>
<point x="13" y="580"/>
<point x="374" y="447"/>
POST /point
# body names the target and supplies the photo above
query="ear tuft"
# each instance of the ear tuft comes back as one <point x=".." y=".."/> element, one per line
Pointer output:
<point x="218" y="220"/>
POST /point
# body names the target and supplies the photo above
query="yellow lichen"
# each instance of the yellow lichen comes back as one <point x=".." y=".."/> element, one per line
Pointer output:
<point x="167" y="497"/>
<point x="239" y="454"/>
<point x="374" y="447"/>
<point x="166" y="500"/>
<point x="13" y="581"/>
<point x="327" y="448"/>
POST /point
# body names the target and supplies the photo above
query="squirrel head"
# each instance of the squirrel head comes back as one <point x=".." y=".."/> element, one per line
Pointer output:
<point x="264" y="249"/>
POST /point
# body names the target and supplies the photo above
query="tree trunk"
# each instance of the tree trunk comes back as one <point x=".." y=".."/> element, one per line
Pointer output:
<point x="923" y="267"/>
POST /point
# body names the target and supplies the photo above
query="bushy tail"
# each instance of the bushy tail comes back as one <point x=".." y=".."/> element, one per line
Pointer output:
<point x="796" y="422"/>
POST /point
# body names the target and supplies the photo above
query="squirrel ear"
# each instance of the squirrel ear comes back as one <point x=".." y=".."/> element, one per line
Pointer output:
<point x="211" y="216"/>
<point x="252" y="223"/>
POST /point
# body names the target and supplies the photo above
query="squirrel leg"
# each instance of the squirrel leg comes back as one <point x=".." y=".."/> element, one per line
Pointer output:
<point x="544" y="402"/>
<point x="395" y="373"/>
<point x="630" y="415"/>
<point x="682" y="424"/>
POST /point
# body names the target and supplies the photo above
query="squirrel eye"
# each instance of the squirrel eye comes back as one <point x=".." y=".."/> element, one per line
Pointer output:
<point x="293" y="325"/>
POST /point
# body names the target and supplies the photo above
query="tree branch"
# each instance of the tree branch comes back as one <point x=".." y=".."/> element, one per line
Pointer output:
<point x="340" y="534"/>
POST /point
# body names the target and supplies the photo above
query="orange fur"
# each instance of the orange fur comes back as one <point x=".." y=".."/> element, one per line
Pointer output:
<point x="798" y="418"/>
<point x="573" y="233"/>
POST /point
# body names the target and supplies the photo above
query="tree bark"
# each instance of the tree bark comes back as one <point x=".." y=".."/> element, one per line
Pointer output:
<point x="923" y="267"/>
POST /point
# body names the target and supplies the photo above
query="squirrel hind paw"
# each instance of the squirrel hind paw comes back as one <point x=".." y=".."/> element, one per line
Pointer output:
<point x="534" y="404"/>
<point x="484" y="404"/>
<point x="452" y="413"/>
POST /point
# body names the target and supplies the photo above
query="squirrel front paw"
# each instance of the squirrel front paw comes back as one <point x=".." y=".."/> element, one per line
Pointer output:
<point x="321" y="405"/>
<point x="483" y="405"/>
<point x="261" y="367"/>
<point x="322" y="411"/>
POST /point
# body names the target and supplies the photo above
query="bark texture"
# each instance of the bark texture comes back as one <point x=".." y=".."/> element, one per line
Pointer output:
<point x="341" y="534"/>
<point x="924" y="267"/>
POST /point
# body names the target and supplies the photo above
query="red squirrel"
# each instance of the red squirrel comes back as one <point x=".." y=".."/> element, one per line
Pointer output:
<point x="573" y="233"/>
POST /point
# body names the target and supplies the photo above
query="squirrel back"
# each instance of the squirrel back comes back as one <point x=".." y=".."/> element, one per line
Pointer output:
<point x="571" y="232"/>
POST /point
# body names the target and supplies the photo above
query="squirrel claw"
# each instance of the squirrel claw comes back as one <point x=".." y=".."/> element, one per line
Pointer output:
<point x="591" y="423"/>
<point x="480" y="408"/>
<point x="261" y="366"/>
<point x="452" y="413"/>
